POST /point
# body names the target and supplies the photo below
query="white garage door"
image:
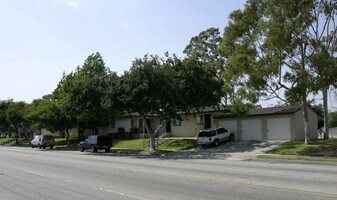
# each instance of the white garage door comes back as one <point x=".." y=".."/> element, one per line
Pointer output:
<point x="228" y="124"/>
<point x="251" y="129"/>
<point x="279" y="129"/>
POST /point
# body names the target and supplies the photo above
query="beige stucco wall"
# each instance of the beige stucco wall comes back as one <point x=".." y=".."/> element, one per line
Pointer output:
<point x="189" y="126"/>
<point x="264" y="124"/>
<point x="299" y="124"/>
<point x="296" y="124"/>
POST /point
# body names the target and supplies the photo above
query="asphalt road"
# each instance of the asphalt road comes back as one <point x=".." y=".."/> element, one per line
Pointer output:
<point x="50" y="174"/>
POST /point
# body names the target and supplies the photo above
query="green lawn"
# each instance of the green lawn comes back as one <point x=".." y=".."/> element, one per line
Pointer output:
<point x="11" y="142"/>
<point x="174" y="144"/>
<point x="6" y="140"/>
<point x="315" y="148"/>
<point x="179" y="144"/>
<point x="129" y="144"/>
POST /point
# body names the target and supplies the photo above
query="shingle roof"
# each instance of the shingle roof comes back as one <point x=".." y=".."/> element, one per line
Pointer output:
<point x="266" y="111"/>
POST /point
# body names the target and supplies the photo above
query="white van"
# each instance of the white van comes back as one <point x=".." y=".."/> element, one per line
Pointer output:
<point x="43" y="141"/>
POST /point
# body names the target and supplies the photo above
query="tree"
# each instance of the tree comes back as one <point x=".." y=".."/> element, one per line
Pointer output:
<point x="323" y="40"/>
<point x="205" y="61"/>
<point x="245" y="75"/>
<point x="45" y="113"/>
<point x="5" y="126"/>
<point x="84" y="97"/>
<point x="15" y="116"/>
<point x="333" y="119"/>
<point x="141" y="91"/>
<point x="165" y="86"/>
<point x="267" y="47"/>
<point x="62" y="100"/>
<point x="88" y="92"/>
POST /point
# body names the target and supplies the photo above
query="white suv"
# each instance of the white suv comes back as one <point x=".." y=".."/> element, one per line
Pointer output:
<point x="214" y="136"/>
<point x="43" y="141"/>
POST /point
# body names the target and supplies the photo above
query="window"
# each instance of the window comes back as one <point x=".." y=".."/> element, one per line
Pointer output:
<point x="133" y="123"/>
<point x="221" y="130"/>
<point x="200" y="119"/>
<point x="176" y="122"/>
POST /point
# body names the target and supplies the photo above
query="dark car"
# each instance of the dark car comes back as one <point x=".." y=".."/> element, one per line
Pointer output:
<point x="96" y="142"/>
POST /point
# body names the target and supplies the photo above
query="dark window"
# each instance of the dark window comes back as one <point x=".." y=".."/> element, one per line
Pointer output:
<point x="221" y="130"/>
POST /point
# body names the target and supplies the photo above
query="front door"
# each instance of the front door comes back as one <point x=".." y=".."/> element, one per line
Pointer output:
<point x="208" y="123"/>
<point x="148" y="122"/>
<point x="168" y="126"/>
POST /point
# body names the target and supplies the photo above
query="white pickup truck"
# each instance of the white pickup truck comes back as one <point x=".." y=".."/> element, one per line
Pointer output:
<point x="214" y="136"/>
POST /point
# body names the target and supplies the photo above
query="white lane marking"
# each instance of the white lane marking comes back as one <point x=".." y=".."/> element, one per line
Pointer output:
<point x="34" y="173"/>
<point x="123" y="194"/>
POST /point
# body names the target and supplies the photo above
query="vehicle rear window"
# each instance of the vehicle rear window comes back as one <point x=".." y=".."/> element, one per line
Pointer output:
<point x="206" y="133"/>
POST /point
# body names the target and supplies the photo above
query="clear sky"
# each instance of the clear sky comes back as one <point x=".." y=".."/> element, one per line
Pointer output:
<point x="41" y="39"/>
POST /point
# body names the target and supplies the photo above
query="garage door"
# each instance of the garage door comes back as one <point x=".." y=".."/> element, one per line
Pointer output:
<point x="228" y="124"/>
<point x="279" y="129"/>
<point x="251" y="129"/>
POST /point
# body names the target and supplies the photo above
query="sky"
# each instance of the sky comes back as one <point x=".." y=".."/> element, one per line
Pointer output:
<point x="41" y="39"/>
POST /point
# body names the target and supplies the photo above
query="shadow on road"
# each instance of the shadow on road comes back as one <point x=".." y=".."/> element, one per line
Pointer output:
<point x="234" y="149"/>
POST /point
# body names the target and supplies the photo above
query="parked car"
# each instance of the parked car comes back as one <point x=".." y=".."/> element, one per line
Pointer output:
<point x="43" y="141"/>
<point x="96" y="142"/>
<point x="214" y="136"/>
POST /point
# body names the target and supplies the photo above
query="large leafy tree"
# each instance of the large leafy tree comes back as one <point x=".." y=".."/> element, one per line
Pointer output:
<point x="322" y="38"/>
<point x="62" y="100"/>
<point x="141" y="91"/>
<point x="45" y="113"/>
<point x="205" y="63"/>
<point x="88" y="92"/>
<point x="84" y="97"/>
<point x="245" y="76"/>
<point x="15" y="116"/>
<point x="164" y="86"/>
<point x="269" y="49"/>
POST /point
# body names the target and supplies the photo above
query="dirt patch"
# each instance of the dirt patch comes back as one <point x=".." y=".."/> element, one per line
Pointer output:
<point x="329" y="151"/>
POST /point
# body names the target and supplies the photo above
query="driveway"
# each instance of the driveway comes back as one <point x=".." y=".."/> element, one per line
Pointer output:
<point x="231" y="150"/>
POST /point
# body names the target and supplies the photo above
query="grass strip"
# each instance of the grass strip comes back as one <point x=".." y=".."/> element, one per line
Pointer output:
<point x="284" y="157"/>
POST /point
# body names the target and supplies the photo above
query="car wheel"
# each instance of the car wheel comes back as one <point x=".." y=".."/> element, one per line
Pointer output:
<point x="32" y="146"/>
<point x="44" y="147"/>
<point x="216" y="142"/>
<point x="203" y="145"/>
<point x="51" y="147"/>
<point x="231" y="137"/>
<point x="81" y="148"/>
<point x="39" y="146"/>
<point x="107" y="150"/>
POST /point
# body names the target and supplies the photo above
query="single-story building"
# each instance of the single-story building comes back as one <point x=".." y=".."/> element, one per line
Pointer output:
<point x="275" y="123"/>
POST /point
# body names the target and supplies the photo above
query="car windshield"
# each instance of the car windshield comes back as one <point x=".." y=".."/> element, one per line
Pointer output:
<point x="207" y="133"/>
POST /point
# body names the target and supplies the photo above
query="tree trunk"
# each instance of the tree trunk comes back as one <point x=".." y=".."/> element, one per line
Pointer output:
<point x="67" y="136"/>
<point x="16" y="136"/>
<point x="326" y="114"/>
<point x="306" y="121"/>
<point x="151" y="135"/>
